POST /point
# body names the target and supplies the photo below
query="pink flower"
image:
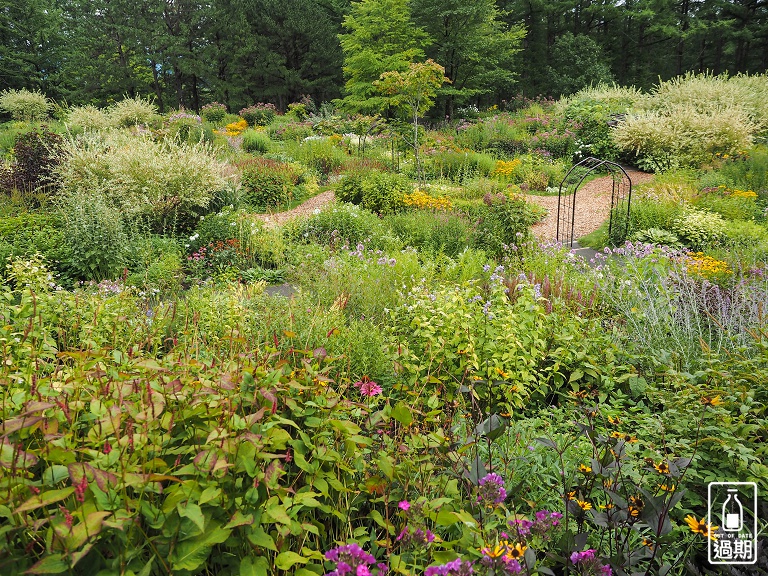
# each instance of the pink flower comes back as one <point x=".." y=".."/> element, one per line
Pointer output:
<point x="404" y="505"/>
<point x="370" y="388"/>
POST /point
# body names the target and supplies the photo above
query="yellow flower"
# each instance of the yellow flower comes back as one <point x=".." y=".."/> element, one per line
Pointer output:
<point x="584" y="469"/>
<point x="716" y="401"/>
<point x="516" y="551"/>
<point x="497" y="552"/>
<point x="506" y="167"/>
<point x="667" y="487"/>
<point x="701" y="527"/>
<point x="584" y="505"/>
<point x="502" y="373"/>
<point x="662" y="467"/>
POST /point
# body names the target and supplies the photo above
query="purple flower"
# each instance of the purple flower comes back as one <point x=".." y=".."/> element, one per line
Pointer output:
<point x="492" y="489"/>
<point x="454" y="568"/>
<point x="404" y="505"/>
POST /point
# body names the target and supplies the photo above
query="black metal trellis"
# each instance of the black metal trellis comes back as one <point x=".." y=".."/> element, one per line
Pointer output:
<point x="566" y="198"/>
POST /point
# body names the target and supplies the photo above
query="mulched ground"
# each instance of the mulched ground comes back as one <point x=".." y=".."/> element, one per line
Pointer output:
<point x="593" y="205"/>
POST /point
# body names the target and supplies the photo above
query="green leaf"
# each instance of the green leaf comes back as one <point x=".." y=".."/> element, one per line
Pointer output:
<point x="402" y="413"/>
<point x="53" y="564"/>
<point x="191" y="554"/>
<point x="258" y="537"/>
<point x="210" y="493"/>
<point x="239" y="519"/>
<point x="193" y="512"/>
<point x="45" y="499"/>
<point x="258" y="566"/>
<point x="385" y="465"/>
<point x="286" y="560"/>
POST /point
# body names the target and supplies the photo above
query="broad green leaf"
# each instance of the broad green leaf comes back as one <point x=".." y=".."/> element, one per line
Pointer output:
<point x="52" y="564"/>
<point x="258" y="566"/>
<point x="286" y="560"/>
<point x="402" y="413"/>
<point x="45" y="499"/>
<point x="191" y="554"/>
<point x="210" y="493"/>
<point x="193" y="512"/>
<point x="258" y="537"/>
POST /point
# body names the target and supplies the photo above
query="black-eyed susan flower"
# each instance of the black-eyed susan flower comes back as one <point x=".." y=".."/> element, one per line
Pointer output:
<point x="584" y="505"/>
<point x="662" y="467"/>
<point x="584" y="469"/>
<point x="701" y="527"/>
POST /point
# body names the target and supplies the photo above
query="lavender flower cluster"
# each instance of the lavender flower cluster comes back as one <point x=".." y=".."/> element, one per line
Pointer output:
<point x="491" y="490"/>
<point x="588" y="563"/>
<point x="456" y="567"/>
<point x="353" y="560"/>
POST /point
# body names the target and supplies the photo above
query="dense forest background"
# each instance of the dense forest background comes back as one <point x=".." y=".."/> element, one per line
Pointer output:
<point x="238" y="52"/>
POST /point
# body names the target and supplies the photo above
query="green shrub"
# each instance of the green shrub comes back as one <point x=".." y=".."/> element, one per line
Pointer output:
<point x="97" y="245"/>
<point x="88" y="117"/>
<point x="501" y="222"/>
<point x="373" y="190"/>
<point x="259" y="114"/>
<point x="165" y="184"/>
<point x="186" y="127"/>
<point x="213" y="113"/>
<point x="699" y="229"/>
<point x="745" y="234"/>
<point x="290" y="131"/>
<point x="458" y="166"/>
<point x="748" y="171"/>
<point x="268" y="184"/>
<point x="442" y="232"/>
<point x="383" y="192"/>
<point x="728" y="206"/>
<point x="657" y="236"/>
<point x="592" y="109"/>
<point x="31" y="233"/>
<point x="335" y="224"/>
<point x="320" y="154"/>
<point x="255" y="142"/>
<point x="155" y="264"/>
<point x="25" y="106"/>
<point x="644" y="214"/>
<point x="133" y="112"/>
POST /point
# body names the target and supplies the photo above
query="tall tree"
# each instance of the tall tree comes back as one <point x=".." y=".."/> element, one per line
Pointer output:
<point x="474" y="45"/>
<point x="30" y="44"/>
<point x="380" y="37"/>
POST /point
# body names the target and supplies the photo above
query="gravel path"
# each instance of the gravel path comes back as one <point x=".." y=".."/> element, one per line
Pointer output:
<point x="593" y="205"/>
<point x="316" y="202"/>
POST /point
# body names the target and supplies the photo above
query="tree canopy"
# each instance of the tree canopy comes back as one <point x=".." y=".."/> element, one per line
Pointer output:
<point x="188" y="52"/>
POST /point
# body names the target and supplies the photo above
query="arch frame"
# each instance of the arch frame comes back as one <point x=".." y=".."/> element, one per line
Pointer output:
<point x="574" y="178"/>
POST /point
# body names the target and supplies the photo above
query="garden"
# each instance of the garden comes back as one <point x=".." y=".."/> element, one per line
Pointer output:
<point x="264" y="342"/>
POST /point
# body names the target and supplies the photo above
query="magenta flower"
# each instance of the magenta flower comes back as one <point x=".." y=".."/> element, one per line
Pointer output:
<point x="404" y="505"/>
<point x="370" y="388"/>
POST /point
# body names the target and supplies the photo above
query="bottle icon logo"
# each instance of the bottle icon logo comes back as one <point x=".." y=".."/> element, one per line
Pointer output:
<point x="733" y="512"/>
<point x="734" y="506"/>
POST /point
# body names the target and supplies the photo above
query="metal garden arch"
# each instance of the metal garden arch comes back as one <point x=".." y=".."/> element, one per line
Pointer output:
<point x="566" y="198"/>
